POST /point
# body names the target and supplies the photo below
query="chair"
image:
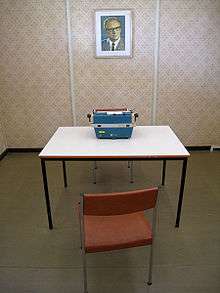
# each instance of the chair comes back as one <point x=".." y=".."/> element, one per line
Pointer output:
<point x="110" y="221"/>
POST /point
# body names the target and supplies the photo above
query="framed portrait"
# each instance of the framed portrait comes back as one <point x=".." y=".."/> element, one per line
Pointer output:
<point x="113" y="33"/>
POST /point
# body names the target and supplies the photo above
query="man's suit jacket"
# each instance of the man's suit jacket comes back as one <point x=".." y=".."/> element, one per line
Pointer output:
<point x="106" y="45"/>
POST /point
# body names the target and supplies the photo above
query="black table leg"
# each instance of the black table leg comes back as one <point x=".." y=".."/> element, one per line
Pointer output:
<point x="46" y="192"/>
<point x="164" y="172"/>
<point x="183" y="178"/>
<point x="64" y="174"/>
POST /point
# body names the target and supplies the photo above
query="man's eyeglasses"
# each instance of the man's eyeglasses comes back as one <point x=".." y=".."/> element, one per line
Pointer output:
<point x="113" y="29"/>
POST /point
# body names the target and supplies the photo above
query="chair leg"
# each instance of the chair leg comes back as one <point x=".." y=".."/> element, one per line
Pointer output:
<point x="154" y="220"/>
<point x="94" y="172"/>
<point x="84" y="271"/>
<point x="150" y="266"/>
<point x="131" y="172"/>
<point x="129" y="164"/>
<point x="81" y="241"/>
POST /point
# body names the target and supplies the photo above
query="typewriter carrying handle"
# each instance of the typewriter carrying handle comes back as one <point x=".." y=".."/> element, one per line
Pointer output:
<point x="89" y="116"/>
<point x="135" y="116"/>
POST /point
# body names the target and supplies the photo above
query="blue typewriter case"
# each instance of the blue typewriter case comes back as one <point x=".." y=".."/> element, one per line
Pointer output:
<point x="113" y="123"/>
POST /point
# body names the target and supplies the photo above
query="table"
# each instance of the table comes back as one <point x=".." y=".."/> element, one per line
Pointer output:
<point x="146" y="143"/>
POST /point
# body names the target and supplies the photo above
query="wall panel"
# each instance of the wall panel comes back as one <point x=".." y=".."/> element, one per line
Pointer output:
<point x="34" y="71"/>
<point x="189" y="97"/>
<point x="113" y="82"/>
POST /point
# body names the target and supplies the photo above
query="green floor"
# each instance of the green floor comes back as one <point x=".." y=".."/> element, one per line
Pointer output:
<point x="37" y="260"/>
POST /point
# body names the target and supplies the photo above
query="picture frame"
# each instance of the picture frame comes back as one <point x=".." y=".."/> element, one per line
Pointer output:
<point x="113" y="33"/>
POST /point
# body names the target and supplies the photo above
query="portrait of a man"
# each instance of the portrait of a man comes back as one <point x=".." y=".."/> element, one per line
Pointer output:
<point x="113" y="37"/>
<point x="113" y="33"/>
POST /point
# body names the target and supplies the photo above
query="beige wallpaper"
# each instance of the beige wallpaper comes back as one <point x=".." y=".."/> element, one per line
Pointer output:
<point x="34" y="71"/>
<point x="35" y="75"/>
<point x="113" y="82"/>
<point x="189" y="98"/>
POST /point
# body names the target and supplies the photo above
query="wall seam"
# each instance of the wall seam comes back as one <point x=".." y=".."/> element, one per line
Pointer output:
<point x="2" y="126"/>
<point x="156" y="65"/>
<point x="70" y="60"/>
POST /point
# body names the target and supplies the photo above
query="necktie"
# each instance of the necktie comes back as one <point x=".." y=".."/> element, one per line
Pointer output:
<point x="113" y="46"/>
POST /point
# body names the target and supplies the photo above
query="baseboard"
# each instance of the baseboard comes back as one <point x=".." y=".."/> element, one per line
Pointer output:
<point x="2" y="155"/>
<point x="19" y="150"/>
<point x="215" y="148"/>
<point x="24" y="150"/>
<point x="198" y="148"/>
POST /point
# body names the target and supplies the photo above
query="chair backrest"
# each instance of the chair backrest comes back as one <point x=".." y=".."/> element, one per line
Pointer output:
<point x="106" y="204"/>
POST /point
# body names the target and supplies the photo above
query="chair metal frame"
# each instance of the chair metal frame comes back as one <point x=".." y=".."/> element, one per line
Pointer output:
<point x="82" y="240"/>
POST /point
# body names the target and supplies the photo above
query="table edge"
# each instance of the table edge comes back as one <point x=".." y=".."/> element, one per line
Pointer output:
<point x="116" y="157"/>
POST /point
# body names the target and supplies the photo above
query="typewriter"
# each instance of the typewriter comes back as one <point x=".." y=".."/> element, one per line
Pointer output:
<point x="113" y="123"/>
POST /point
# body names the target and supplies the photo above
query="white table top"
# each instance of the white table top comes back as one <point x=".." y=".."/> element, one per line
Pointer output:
<point x="145" y="142"/>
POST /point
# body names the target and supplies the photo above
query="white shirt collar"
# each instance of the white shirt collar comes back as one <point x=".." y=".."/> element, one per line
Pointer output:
<point x="116" y="43"/>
